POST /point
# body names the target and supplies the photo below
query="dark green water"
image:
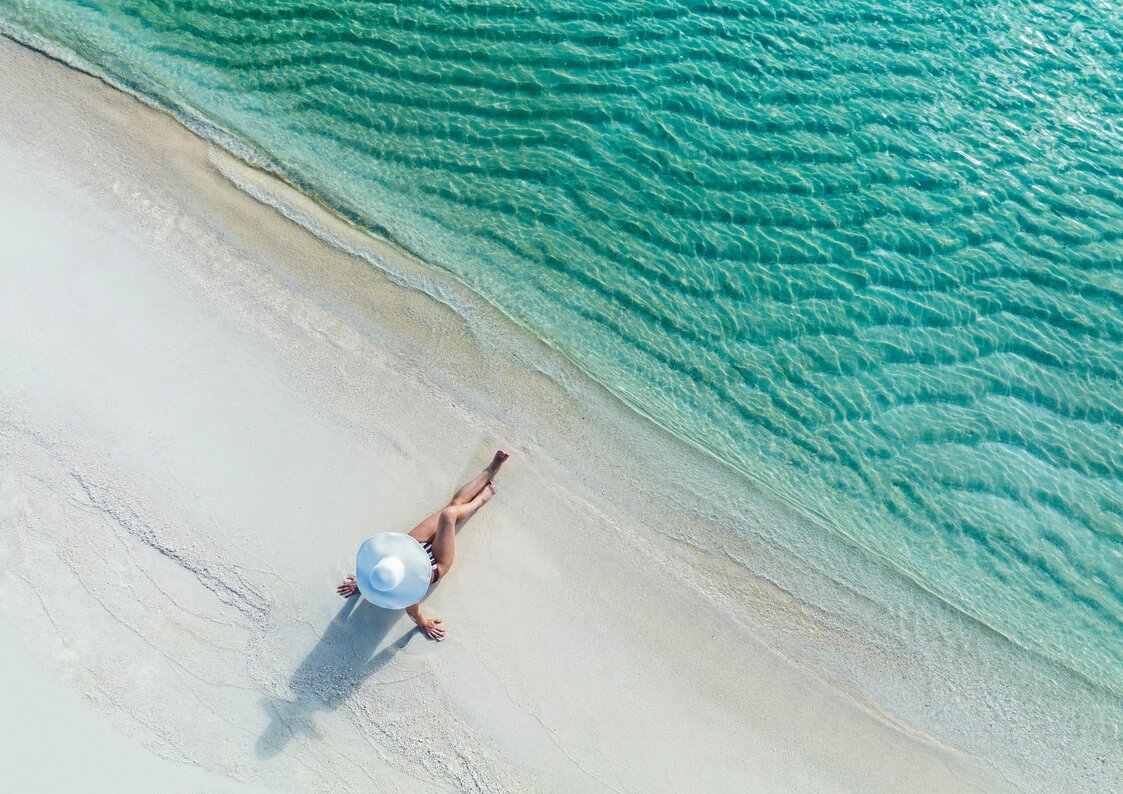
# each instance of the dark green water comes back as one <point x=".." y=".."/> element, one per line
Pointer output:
<point x="867" y="253"/>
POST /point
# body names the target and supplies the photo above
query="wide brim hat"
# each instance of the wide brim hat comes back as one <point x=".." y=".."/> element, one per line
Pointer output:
<point x="392" y="570"/>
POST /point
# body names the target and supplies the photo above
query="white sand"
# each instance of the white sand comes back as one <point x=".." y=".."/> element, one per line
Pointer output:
<point x="204" y="409"/>
<point x="62" y="741"/>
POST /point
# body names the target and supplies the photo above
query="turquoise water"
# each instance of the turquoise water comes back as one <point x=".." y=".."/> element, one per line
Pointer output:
<point x="869" y="254"/>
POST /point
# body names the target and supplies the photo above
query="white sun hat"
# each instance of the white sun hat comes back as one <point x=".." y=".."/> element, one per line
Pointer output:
<point x="392" y="570"/>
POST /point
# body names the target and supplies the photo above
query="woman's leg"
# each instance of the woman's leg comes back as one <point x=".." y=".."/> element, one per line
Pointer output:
<point x="427" y="529"/>
<point x="472" y="488"/>
<point x="444" y="541"/>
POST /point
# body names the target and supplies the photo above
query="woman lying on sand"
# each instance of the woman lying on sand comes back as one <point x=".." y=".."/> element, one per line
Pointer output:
<point x="390" y="563"/>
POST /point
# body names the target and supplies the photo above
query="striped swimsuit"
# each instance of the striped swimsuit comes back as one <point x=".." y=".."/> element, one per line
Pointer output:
<point x="432" y="561"/>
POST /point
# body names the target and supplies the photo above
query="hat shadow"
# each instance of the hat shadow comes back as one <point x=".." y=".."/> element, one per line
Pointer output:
<point x="342" y="659"/>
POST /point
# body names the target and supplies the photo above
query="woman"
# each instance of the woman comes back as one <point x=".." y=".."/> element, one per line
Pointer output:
<point x="437" y="536"/>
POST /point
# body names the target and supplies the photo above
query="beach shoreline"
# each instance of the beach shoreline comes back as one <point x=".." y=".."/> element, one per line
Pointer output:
<point x="204" y="407"/>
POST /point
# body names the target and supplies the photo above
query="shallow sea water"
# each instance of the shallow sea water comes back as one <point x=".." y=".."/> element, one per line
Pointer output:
<point x="868" y="254"/>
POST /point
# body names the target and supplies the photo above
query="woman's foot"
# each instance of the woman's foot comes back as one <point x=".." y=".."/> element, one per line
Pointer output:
<point x="487" y="493"/>
<point x="349" y="587"/>
<point x="499" y="459"/>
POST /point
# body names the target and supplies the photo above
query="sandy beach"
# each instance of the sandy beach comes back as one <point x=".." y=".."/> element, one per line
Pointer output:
<point x="205" y="408"/>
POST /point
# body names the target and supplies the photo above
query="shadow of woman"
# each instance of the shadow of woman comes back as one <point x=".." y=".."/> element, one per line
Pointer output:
<point x="342" y="659"/>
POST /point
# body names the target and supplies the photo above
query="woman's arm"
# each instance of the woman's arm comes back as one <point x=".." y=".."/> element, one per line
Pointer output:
<point x="430" y="626"/>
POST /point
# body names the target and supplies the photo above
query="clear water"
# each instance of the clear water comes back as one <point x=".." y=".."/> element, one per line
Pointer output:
<point x="870" y="254"/>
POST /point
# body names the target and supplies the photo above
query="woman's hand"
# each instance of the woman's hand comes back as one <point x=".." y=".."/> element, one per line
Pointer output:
<point x="348" y="588"/>
<point x="431" y="627"/>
